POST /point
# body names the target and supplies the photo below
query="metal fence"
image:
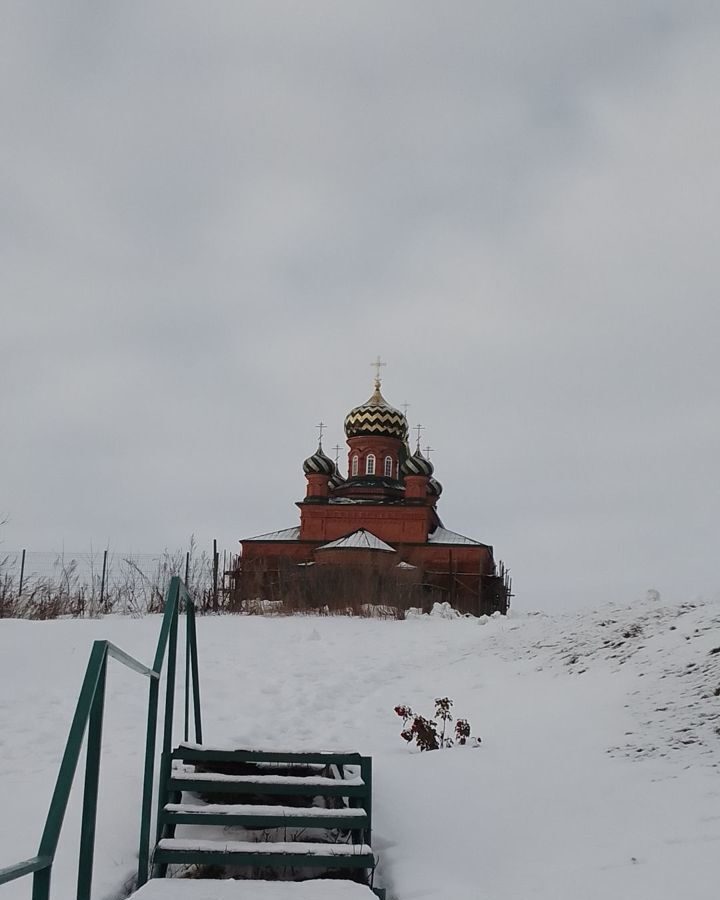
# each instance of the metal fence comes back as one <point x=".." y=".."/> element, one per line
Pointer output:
<point x="44" y="584"/>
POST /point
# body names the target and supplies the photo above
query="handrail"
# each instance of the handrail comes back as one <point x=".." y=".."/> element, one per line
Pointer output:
<point x="88" y="717"/>
<point x="26" y="867"/>
<point x="129" y="661"/>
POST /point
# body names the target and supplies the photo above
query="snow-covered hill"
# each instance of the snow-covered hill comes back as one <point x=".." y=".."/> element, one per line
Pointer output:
<point x="597" y="776"/>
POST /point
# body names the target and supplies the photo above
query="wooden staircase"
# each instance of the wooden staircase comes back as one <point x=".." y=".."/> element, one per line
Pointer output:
<point x="283" y="819"/>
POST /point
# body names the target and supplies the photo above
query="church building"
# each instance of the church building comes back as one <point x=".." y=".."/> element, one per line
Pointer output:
<point x="374" y="536"/>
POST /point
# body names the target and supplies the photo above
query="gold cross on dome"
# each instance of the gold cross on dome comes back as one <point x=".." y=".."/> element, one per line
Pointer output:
<point x="321" y="426"/>
<point x="337" y="448"/>
<point x="405" y="407"/>
<point x="418" y="428"/>
<point x="377" y="365"/>
<point x="428" y="451"/>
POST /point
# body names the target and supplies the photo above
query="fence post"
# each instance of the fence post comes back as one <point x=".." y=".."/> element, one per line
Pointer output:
<point x="187" y="570"/>
<point x="215" y="576"/>
<point x="102" y="581"/>
<point x="22" y="573"/>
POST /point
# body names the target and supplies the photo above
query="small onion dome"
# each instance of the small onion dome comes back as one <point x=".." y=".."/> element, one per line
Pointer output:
<point x="417" y="464"/>
<point x="336" y="480"/>
<point x="376" y="417"/>
<point x="434" y="487"/>
<point x="319" y="464"/>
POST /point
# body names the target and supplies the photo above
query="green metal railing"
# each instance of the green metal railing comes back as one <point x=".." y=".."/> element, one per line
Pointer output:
<point x="89" y="717"/>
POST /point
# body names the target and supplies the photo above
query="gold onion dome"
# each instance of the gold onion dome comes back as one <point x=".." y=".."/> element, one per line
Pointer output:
<point x="376" y="417"/>
<point x="319" y="464"/>
<point x="417" y="464"/>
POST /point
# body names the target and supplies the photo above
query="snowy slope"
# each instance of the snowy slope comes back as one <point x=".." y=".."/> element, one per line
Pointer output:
<point x="597" y="775"/>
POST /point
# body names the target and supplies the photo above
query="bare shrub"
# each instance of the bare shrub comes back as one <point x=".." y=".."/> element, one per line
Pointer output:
<point x="134" y="585"/>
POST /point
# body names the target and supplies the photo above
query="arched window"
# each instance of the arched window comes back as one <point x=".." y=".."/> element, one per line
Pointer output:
<point x="388" y="466"/>
<point x="354" y="465"/>
<point x="370" y="464"/>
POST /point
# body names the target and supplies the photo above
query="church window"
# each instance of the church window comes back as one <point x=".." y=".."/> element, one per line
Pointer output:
<point x="354" y="465"/>
<point x="388" y="466"/>
<point x="370" y="464"/>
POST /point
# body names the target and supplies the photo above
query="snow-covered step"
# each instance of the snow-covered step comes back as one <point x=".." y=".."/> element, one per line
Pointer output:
<point x="263" y="816"/>
<point x="279" y="853"/>
<point x="207" y="753"/>
<point x="290" y="785"/>
<point x="229" y="889"/>
<point x="259" y="768"/>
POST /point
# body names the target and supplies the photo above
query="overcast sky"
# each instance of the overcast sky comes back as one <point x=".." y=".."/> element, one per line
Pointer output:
<point x="214" y="215"/>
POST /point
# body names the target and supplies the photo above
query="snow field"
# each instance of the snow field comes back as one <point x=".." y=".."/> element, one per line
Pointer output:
<point x="597" y="775"/>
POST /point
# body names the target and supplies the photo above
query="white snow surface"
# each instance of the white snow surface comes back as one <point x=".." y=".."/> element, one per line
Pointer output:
<point x="290" y="812"/>
<point x="301" y="781"/>
<point x="308" y="849"/>
<point x="284" y="534"/>
<point x="597" y="775"/>
<point x="192" y="889"/>
<point x="445" y="536"/>
<point x="361" y="539"/>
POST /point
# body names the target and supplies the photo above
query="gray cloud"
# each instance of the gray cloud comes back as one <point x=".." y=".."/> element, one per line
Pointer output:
<point x="213" y="216"/>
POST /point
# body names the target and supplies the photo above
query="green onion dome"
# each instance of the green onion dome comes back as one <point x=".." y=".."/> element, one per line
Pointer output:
<point x="376" y="417"/>
<point x="319" y="464"/>
<point x="417" y="464"/>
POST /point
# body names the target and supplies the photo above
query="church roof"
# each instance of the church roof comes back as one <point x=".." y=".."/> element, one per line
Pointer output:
<point x="445" y="536"/>
<point x="285" y="534"/>
<point x="358" y="540"/>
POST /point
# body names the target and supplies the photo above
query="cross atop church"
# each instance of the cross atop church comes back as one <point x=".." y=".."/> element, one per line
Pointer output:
<point x="321" y="426"/>
<point x="377" y="365"/>
<point x="428" y="451"/>
<point x="337" y="448"/>
<point x="405" y="407"/>
<point x="418" y="428"/>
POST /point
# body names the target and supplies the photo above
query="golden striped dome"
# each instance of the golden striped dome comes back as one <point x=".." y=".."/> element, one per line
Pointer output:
<point x="376" y="417"/>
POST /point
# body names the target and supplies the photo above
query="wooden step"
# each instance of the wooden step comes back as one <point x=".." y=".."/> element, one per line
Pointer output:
<point x="273" y="853"/>
<point x="288" y="785"/>
<point x="253" y="816"/>
<point x="203" y="753"/>
<point x="235" y="889"/>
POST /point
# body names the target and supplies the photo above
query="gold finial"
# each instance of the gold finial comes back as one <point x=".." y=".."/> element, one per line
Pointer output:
<point x="377" y="365"/>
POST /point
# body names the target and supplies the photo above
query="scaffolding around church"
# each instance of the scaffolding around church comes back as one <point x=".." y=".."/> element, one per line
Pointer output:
<point x="281" y="586"/>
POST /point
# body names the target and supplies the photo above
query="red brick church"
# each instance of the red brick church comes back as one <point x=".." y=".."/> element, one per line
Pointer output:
<point x="374" y="536"/>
